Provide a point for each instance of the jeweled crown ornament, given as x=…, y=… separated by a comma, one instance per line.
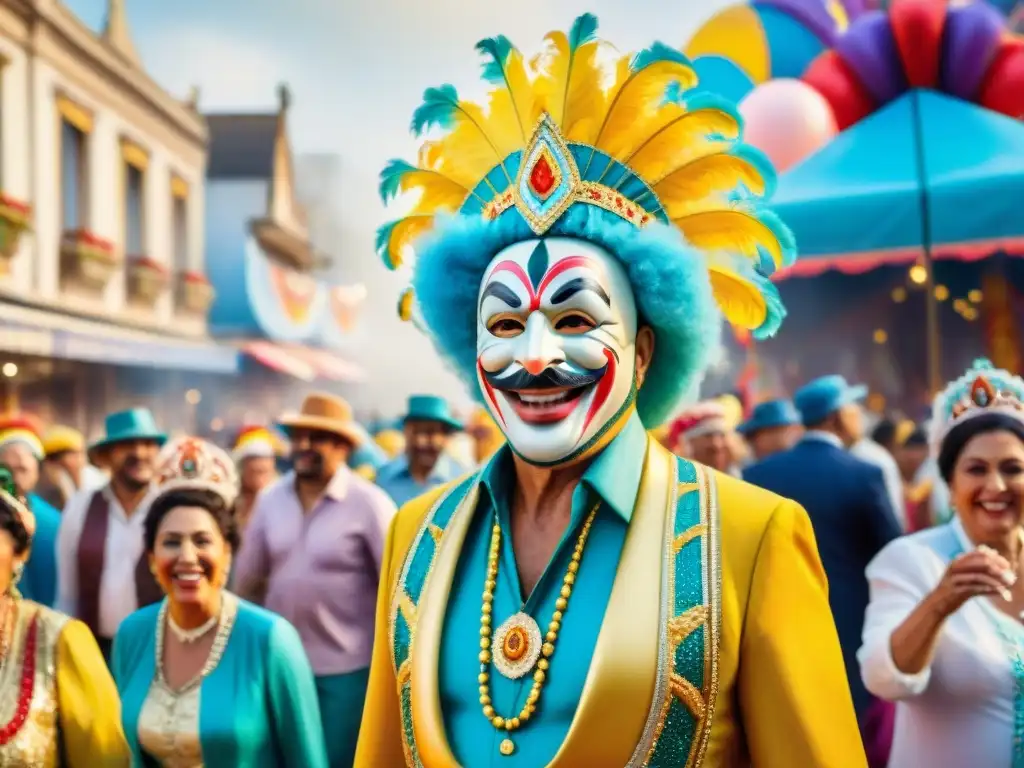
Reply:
x=190, y=463
x=630, y=135
x=982, y=389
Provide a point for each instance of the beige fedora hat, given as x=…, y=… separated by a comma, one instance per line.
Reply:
x=325, y=413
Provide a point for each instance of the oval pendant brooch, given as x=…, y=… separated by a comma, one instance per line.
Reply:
x=516, y=646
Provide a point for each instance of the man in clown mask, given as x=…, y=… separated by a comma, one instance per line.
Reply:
x=571, y=602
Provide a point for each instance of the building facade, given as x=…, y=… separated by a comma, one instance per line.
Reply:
x=101, y=204
x=273, y=300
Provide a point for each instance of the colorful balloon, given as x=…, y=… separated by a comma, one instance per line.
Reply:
x=969, y=45
x=869, y=49
x=917, y=26
x=788, y=120
x=830, y=76
x=1003, y=88
x=770, y=39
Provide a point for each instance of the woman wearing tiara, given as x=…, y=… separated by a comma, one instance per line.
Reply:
x=943, y=635
x=58, y=705
x=206, y=678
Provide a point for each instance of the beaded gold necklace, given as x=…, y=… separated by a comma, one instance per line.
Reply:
x=516, y=649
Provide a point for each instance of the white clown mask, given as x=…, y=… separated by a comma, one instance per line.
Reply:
x=556, y=336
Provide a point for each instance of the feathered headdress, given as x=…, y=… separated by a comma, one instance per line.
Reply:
x=576, y=127
x=982, y=389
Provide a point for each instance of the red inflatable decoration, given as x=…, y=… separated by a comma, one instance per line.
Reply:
x=917, y=27
x=1003, y=88
x=834, y=80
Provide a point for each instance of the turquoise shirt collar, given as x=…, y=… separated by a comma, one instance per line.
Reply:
x=614, y=475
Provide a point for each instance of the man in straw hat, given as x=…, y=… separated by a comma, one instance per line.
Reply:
x=313, y=552
x=21, y=451
x=104, y=574
x=569, y=604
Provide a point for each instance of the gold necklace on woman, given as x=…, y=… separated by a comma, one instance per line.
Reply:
x=516, y=648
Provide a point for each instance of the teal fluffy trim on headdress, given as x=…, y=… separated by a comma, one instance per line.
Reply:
x=669, y=279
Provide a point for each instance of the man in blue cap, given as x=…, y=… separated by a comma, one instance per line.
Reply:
x=428, y=426
x=103, y=574
x=847, y=502
x=774, y=426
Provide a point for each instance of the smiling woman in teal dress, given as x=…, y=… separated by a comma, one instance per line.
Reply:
x=205, y=677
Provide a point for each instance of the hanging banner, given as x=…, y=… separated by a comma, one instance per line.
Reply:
x=1001, y=332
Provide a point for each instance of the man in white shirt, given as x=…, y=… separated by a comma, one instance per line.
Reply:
x=102, y=570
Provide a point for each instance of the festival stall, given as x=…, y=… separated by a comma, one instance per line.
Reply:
x=900, y=144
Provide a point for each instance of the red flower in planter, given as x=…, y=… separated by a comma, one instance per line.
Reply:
x=85, y=237
x=194, y=278
x=15, y=205
x=148, y=263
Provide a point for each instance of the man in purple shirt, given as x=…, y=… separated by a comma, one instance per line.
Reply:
x=312, y=553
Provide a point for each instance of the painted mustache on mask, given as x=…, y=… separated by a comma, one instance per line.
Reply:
x=549, y=378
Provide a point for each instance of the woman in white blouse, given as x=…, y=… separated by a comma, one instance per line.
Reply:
x=943, y=634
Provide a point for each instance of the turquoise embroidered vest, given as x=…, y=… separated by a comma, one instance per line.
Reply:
x=679, y=721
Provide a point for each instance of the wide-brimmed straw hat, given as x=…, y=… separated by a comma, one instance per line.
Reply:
x=325, y=413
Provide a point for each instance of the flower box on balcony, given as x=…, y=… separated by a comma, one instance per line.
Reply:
x=147, y=279
x=15, y=220
x=87, y=258
x=195, y=294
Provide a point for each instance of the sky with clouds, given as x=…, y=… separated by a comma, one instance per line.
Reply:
x=356, y=71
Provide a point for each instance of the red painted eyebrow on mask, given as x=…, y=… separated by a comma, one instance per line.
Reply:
x=535, y=294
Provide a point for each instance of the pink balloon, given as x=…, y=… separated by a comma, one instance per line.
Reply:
x=788, y=120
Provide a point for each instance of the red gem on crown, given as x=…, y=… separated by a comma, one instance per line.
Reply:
x=542, y=176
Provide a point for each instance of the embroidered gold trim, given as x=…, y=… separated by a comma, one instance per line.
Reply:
x=408, y=609
x=687, y=536
x=435, y=533
x=398, y=589
x=589, y=192
x=689, y=695
x=682, y=626
x=685, y=488
x=710, y=517
x=662, y=701
x=404, y=673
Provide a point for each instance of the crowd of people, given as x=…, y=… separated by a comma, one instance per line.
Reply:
x=594, y=583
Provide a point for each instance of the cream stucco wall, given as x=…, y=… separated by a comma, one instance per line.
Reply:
x=31, y=154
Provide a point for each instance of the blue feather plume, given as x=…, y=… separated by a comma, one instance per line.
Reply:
x=439, y=107
x=584, y=30
x=655, y=53
x=773, y=301
x=383, y=240
x=498, y=49
x=391, y=178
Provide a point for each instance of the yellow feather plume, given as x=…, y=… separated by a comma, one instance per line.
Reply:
x=522, y=95
x=698, y=186
x=682, y=137
x=404, y=234
x=729, y=230
x=739, y=300
x=568, y=83
x=470, y=146
x=626, y=124
x=431, y=157
x=437, y=191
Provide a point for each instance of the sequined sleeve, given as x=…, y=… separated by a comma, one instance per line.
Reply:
x=793, y=695
x=89, y=708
